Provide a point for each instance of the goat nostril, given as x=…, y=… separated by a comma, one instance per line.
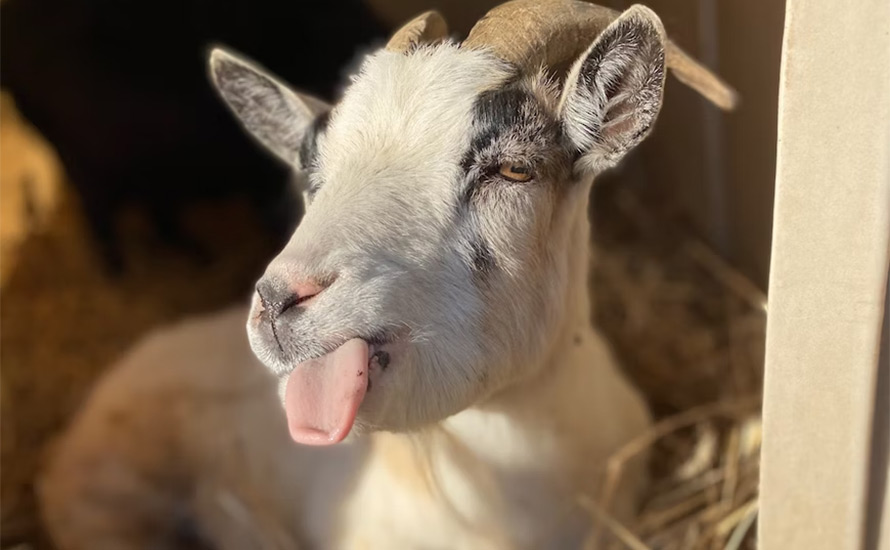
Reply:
x=305, y=291
x=266, y=292
x=277, y=296
x=281, y=307
x=274, y=296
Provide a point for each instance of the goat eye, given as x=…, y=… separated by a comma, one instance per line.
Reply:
x=515, y=171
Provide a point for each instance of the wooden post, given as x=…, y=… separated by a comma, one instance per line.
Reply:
x=831, y=238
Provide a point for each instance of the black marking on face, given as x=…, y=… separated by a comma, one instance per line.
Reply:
x=495, y=113
x=483, y=259
x=309, y=145
x=510, y=125
x=309, y=151
x=478, y=255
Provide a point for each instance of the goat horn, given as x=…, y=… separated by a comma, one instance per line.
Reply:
x=530, y=33
x=426, y=27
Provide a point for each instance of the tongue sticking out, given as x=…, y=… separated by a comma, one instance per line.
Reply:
x=322, y=395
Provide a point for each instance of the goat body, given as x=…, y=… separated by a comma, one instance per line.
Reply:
x=183, y=445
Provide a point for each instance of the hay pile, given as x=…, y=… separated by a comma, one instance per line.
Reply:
x=691, y=331
x=31, y=182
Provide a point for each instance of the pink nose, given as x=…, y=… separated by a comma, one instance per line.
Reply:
x=279, y=295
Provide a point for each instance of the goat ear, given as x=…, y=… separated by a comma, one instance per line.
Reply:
x=613, y=92
x=270, y=111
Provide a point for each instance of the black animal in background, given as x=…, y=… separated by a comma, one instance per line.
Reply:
x=120, y=89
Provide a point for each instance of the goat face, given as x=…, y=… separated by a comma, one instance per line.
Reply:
x=432, y=265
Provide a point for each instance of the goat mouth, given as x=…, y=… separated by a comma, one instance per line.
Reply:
x=378, y=363
x=322, y=395
x=376, y=343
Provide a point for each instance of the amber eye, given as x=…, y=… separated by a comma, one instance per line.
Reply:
x=516, y=171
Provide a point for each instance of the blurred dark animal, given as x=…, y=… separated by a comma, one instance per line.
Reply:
x=120, y=89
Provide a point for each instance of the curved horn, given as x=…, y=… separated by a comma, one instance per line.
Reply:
x=426, y=27
x=530, y=33
x=700, y=78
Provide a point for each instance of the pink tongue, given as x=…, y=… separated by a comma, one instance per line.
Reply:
x=322, y=395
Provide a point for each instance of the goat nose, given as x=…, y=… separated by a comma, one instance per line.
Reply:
x=278, y=295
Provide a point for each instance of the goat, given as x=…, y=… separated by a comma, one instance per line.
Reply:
x=432, y=308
